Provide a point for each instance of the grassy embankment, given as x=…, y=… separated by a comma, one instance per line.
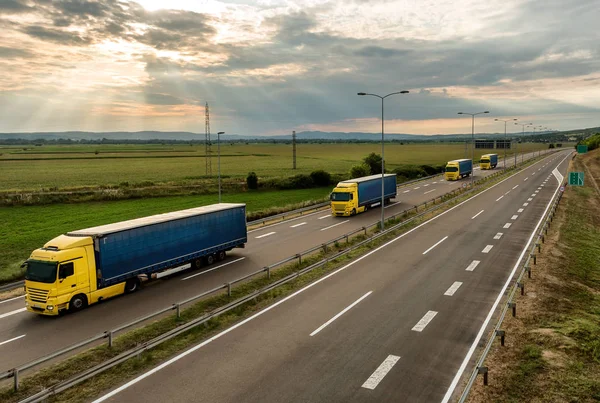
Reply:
x=25, y=228
x=552, y=351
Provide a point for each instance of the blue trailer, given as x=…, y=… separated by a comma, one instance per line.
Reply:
x=149, y=245
x=354, y=196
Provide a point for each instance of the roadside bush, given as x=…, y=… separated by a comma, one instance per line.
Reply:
x=360, y=170
x=321, y=178
x=373, y=161
x=252, y=180
x=429, y=170
x=296, y=182
x=410, y=171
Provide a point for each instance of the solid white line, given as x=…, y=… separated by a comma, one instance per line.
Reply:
x=460, y=371
x=325, y=216
x=334, y=225
x=520, y=210
x=12, y=299
x=498, y=199
x=13, y=339
x=380, y=372
x=406, y=191
x=450, y=292
x=438, y=242
x=214, y=268
x=487, y=249
x=264, y=235
x=516, y=186
x=498, y=235
x=477, y=214
x=283, y=300
x=324, y=325
x=7, y=314
x=525, y=204
x=420, y=326
x=298, y=225
x=429, y=191
x=514, y=217
x=507, y=225
x=473, y=265
x=390, y=205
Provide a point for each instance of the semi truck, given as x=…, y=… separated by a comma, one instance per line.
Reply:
x=488, y=161
x=88, y=266
x=357, y=195
x=458, y=169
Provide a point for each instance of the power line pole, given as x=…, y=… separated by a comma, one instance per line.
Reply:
x=207, y=151
x=294, y=147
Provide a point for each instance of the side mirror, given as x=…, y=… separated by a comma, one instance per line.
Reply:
x=24, y=264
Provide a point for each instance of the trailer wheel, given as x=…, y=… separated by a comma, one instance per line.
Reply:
x=210, y=259
x=221, y=255
x=132, y=285
x=197, y=263
x=77, y=303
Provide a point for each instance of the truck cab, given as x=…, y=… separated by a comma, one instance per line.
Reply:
x=61, y=275
x=344, y=200
x=452, y=172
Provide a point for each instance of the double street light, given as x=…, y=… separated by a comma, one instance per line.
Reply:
x=505, y=121
x=382, y=151
x=219, y=160
x=472, y=139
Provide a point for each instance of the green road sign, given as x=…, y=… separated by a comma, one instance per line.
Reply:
x=582, y=149
x=576, y=178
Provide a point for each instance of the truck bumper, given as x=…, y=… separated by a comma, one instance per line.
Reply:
x=49, y=308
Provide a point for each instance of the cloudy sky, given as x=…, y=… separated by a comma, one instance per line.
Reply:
x=272, y=66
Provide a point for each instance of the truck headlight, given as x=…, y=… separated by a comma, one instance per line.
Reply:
x=50, y=307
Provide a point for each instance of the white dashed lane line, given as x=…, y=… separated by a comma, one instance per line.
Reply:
x=422, y=324
x=472, y=265
x=453, y=288
x=265, y=235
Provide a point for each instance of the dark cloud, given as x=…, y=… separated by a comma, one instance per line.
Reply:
x=377, y=51
x=14, y=7
x=56, y=35
x=13, y=53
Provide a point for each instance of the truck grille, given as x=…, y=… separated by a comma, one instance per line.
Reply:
x=339, y=207
x=37, y=295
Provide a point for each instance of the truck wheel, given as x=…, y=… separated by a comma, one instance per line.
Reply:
x=210, y=259
x=353, y=212
x=221, y=255
x=77, y=303
x=197, y=263
x=132, y=285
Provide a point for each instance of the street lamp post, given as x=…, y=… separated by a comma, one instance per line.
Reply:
x=505, y=121
x=524, y=125
x=472, y=140
x=382, y=151
x=219, y=160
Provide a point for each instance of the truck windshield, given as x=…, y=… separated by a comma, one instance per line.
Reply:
x=339, y=196
x=43, y=272
x=451, y=169
x=484, y=161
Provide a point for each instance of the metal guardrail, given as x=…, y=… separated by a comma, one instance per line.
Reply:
x=15, y=372
x=509, y=303
x=11, y=286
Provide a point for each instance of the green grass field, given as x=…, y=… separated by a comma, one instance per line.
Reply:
x=63, y=167
x=27, y=228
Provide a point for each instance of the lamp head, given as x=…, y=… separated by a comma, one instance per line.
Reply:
x=221, y=133
x=404, y=92
x=362, y=93
x=486, y=112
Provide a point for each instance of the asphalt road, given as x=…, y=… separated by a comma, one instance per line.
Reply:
x=392, y=326
x=22, y=333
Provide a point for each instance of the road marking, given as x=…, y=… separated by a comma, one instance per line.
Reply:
x=302, y=217
x=325, y=216
x=498, y=235
x=473, y=265
x=434, y=182
x=507, y=192
x=380, y=372
x=525, y=179
x=265, y=235
x=450, y=292
x=525, y=204
x=425, y=185
x=498, y=199
x=417, y=188
x=390, y=205
x=420, y=326
x=334, y=225
x=7, y=314
x=487, y=249
x=12, y=299
x=467, y=359
x=324, y=325
x=540, y=188
x=507, y=225
x=520, y=210
x=217, y=336
x=477, y=214
x=533, y=173
x=214, y=268
x=298, y=225
x=533, y=195
x=429, y=191
x=13, y=339
x=530, y=199
x=514, y=217
x=406, y=191
x=439, y=242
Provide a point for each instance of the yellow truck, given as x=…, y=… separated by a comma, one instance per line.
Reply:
x=457, y=169
x=87, y=266
x=488, y=161
x=354, y=196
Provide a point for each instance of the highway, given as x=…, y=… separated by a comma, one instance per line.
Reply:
x=394, y=325
x=21, y=331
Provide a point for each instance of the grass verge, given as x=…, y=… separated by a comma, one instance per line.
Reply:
x=66, y=369
x=552, y=351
